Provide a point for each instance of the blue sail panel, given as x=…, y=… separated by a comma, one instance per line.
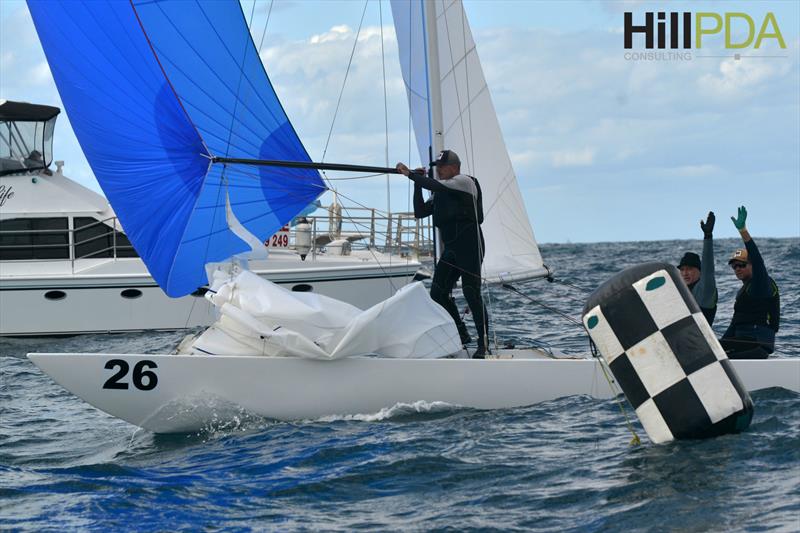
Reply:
x=409, y=24
x=153, y=89
x=209, y=57
x=146, y=155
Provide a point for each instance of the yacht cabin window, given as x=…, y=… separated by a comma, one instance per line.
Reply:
x=34, y=238
x=94, y=238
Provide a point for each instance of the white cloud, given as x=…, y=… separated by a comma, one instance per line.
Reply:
x=336, y=33
x=620, y=6
x=573, y=158
x=689, y=171
x=742, y=76
x=39, y=74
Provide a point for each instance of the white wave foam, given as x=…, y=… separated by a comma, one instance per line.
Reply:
x=399, y=409
x=203, y=413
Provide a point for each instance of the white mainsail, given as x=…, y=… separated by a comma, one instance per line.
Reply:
x=469, y=127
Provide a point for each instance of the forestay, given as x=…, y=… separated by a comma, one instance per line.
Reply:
x=258, y=317
x=470, y=128
x=154, y=90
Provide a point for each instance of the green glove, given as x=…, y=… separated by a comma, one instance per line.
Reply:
x=740, y=220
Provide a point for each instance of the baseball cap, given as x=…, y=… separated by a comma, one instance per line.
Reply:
x=739, y=255
x=447, y=157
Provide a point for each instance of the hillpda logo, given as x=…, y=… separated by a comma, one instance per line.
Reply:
x=678, y=34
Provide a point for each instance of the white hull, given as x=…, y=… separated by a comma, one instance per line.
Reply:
x=96, y=304
x=193, y=392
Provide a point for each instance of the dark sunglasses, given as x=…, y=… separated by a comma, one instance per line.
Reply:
x=737, y=265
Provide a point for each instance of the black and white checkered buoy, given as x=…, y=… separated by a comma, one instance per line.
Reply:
x=665, y=356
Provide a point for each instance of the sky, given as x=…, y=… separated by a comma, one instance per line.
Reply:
x=605, y=148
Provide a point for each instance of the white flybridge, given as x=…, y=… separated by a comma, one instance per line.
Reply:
x=298, y=356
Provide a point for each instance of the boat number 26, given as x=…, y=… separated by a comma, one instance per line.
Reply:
x=142, y=377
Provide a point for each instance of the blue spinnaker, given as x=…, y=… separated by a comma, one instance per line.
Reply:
x=153, y=90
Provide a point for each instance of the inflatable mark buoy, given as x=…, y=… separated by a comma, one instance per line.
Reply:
x=664, y=355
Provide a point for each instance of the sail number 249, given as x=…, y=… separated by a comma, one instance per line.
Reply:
x=142, y=377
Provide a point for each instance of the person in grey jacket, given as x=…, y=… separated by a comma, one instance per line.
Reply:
x=701, y=281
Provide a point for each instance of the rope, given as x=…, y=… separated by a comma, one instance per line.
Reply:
x=635, y=440
x=562, y=314
x=551, y=279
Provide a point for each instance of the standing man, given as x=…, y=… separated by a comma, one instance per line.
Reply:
x=702, y=282
x=757, y=310
x=457, y=213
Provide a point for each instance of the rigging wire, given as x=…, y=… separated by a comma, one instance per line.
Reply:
x=333, y=122
x=635, y=440
x=344, y=82
x=469, y=147
x=460, y=117
x=504, y=183
x=385, y=119
x=264, y=33
x=464, y=28
x=562, y=314
x=410, y=125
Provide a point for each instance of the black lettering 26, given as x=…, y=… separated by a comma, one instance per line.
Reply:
x=142, y=377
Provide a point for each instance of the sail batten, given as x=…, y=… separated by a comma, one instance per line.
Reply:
x=155, y=91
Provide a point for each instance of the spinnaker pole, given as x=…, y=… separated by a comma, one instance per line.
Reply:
x=305, y=164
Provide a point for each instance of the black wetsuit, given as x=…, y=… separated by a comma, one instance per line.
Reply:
x=457, y=214
x=704, y=289
x=756, y=313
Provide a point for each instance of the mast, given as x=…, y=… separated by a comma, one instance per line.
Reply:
x=434, y=78
x=434, y=96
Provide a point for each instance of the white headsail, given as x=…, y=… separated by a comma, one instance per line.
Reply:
x=469, y=127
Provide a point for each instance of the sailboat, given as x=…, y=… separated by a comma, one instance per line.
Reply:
x=189, y=180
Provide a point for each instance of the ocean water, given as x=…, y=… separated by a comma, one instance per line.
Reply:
x=561, y=465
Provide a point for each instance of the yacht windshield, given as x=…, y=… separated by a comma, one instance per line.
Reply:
x=26, y=137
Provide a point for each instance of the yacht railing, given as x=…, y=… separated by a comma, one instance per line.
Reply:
x=369, y=228
x=103, y=245
x=363, y=228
